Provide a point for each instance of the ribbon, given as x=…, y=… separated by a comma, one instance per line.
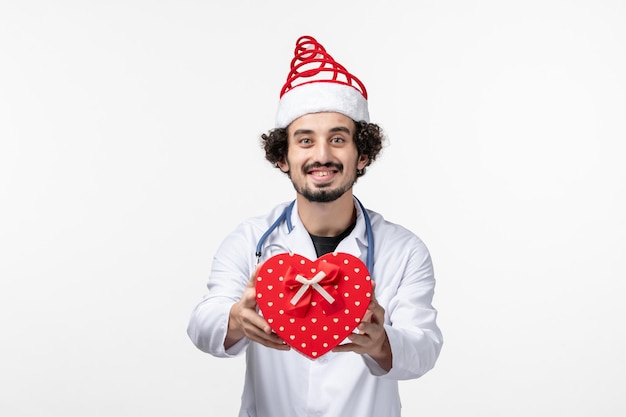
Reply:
x=321, y=283
x=313, y=282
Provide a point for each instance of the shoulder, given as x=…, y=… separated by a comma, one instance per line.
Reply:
x=245, y=236
x=395, y=236
x=255, y=226
x=266, y=219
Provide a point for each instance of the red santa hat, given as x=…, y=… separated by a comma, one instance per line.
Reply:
x=318, y=83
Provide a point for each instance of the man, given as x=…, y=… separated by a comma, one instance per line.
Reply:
x=323, y=141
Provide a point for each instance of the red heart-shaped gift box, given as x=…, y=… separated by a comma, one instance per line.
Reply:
x=313, y=305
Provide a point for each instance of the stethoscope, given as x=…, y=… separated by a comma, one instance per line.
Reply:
x=286, y=216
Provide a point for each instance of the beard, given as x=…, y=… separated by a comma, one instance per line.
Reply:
x=323, y=194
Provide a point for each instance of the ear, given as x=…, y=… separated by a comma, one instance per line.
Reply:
x=283, y=166
x=362, y=163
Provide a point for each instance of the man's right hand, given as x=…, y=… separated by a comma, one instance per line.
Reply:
x=245, y=321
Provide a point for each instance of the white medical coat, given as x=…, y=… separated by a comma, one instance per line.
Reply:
x=288, y=384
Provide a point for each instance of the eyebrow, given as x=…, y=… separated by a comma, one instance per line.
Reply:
x=333, y=130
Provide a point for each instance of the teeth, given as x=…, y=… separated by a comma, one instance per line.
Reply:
x=322, y=174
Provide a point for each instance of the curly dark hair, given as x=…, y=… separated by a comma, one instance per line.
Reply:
x=369, y=139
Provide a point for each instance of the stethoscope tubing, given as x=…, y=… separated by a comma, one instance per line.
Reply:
x=286, y=216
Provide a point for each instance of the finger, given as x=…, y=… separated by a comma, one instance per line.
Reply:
x=272, y=340
x=374, y=313
x=252, y=280
x=254, y=320
x=257, y=330
x=378, y=313
x=367, y=317
x=346, y=347
x=369, y=329
x=249, y=298
x=356, y=344
x=373, y=299
x=249, y=293
x=373, y=305
x=373, y=289
x=360, y=339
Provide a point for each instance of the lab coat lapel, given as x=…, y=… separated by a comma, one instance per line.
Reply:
x=298, y=240
x=356, y=243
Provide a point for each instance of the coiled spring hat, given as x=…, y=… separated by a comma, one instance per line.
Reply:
x=318, y=83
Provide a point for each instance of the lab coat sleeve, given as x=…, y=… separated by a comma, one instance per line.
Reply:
x=230, y=272
x=410, y=320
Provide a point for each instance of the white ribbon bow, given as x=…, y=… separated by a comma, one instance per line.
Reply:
x=313, y=282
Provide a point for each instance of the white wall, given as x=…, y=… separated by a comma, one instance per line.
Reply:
x=128, y=150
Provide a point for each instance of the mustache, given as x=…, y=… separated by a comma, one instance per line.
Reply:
x=337, y=165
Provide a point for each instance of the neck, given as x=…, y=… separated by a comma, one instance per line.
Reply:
x=327, y=219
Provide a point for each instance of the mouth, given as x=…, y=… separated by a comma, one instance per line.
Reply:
x=323, y=175
x=322, y=172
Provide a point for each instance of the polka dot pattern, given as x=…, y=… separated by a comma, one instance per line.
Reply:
x=317, y=331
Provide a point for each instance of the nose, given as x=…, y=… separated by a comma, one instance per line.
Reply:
x=322, y=152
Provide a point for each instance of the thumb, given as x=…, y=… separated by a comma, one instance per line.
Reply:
x=252, y=280
x=249, y=294
x=373, y=300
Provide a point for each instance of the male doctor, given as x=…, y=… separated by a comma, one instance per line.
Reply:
x=323, y=141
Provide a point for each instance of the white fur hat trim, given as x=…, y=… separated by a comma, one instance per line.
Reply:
x=321, y=96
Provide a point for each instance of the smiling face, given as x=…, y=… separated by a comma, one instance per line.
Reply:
x=322, y=158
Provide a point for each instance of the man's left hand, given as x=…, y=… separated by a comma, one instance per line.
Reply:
x=372, y=338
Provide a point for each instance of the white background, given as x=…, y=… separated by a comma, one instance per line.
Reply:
x=129, y=149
